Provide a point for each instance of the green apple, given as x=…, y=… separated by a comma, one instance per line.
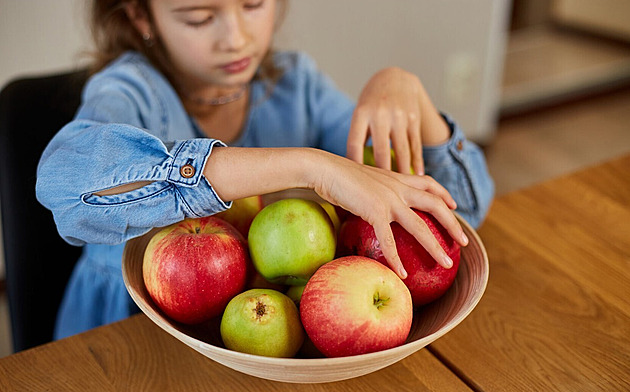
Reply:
x=295, y=293
x=290, y=239
x=262, y=322
x=368, y=158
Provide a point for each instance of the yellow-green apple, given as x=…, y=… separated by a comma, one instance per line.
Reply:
x=191, y=269
x=242, y=213
x=262, y=322
x=355, y=305
x=368, y=158
x=332, y=213
x=427, y=280
x=289, y=239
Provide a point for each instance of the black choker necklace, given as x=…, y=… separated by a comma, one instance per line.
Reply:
x=235, y=96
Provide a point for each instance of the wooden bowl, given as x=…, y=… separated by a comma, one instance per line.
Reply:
x=430, y=323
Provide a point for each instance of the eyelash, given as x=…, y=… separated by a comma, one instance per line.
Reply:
x=209, y=19
x=254, y=6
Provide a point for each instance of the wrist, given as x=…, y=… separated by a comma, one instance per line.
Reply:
x=435, y=130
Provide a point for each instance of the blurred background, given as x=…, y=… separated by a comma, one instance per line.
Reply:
x=542, y=85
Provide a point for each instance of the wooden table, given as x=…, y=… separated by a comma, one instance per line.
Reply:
x=555, y=316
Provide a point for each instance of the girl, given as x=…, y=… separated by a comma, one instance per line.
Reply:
x=184, y=90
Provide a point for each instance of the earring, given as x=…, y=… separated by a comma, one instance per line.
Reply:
x=148, y=39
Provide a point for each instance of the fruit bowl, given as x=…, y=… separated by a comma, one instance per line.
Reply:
x=430, y=323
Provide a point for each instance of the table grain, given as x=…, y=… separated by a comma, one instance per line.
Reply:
x=555, y=315
x=556, y=312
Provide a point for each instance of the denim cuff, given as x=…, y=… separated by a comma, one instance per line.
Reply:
x=189, y=161
x=448, y=153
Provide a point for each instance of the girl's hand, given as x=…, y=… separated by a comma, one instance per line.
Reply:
x=394, y=106
x=381, y=196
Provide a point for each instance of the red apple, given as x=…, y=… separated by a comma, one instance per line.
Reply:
x=426, y=280
x=354, y=305
x=193, y=268
x=242, y=213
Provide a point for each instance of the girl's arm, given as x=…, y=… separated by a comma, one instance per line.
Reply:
x=378, y=196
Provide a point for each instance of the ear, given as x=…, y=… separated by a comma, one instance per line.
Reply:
x=138, y=18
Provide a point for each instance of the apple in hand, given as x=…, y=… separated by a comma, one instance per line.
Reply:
x=289, y=239
x=426, y=280
x=191, y=269
x=242, y=213
x=262, y=322
x=355, y=305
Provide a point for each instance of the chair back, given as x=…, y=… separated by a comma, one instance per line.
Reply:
x=38, y=262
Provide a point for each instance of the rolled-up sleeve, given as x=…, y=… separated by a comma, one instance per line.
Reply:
x=112, y=142
x=75, y=167
x=460, y=166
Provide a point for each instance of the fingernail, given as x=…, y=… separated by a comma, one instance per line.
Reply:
x=464, y=239
x=402, y=273
x=447, y=262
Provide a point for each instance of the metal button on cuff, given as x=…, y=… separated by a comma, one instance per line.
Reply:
x=187, y=171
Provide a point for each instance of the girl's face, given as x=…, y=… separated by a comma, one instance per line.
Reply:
x=217, y=43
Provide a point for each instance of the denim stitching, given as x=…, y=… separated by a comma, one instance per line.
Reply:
x=86, y=196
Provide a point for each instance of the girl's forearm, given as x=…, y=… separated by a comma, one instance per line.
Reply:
x=241, y=172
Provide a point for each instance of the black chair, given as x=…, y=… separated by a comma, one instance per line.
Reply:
x=38, y=262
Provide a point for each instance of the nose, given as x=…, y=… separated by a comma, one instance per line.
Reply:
x=234, y=34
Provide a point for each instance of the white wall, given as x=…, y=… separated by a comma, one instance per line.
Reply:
x=454, y=46
x=39, y=36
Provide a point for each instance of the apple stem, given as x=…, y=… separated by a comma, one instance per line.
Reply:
x=197, y=230
x=378, y=301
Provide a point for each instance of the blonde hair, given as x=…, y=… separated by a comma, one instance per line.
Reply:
x=114, y=34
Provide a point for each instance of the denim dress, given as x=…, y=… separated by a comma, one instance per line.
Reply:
x=131, y=126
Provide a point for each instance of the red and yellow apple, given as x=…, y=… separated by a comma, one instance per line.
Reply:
x=355, y=305
x=242, y=213
x=426, y=280
x=191, y=269
x=289, y=239
x=262, y=322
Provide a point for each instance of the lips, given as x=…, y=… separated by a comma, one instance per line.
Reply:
x=237, y=66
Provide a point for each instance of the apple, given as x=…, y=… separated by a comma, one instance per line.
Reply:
x=426, y=280
x=368, y=158
x=242, y=213
x=191, y=269
x=262, y=322
x=355, y=305
x=256, y=281
x=295, y=293
x=289, y=239
x=332, y=213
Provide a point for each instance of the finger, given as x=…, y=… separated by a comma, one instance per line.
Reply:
x=400, y=143
x=415, y=143
x=380, y=130
x=357, y=136
x=433, y=205
x=421, y=232
x=428, y=184
x=387, y=242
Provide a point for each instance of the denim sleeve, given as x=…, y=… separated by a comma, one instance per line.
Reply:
x=460, y=166
x=329, y=108
x=87, y=156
